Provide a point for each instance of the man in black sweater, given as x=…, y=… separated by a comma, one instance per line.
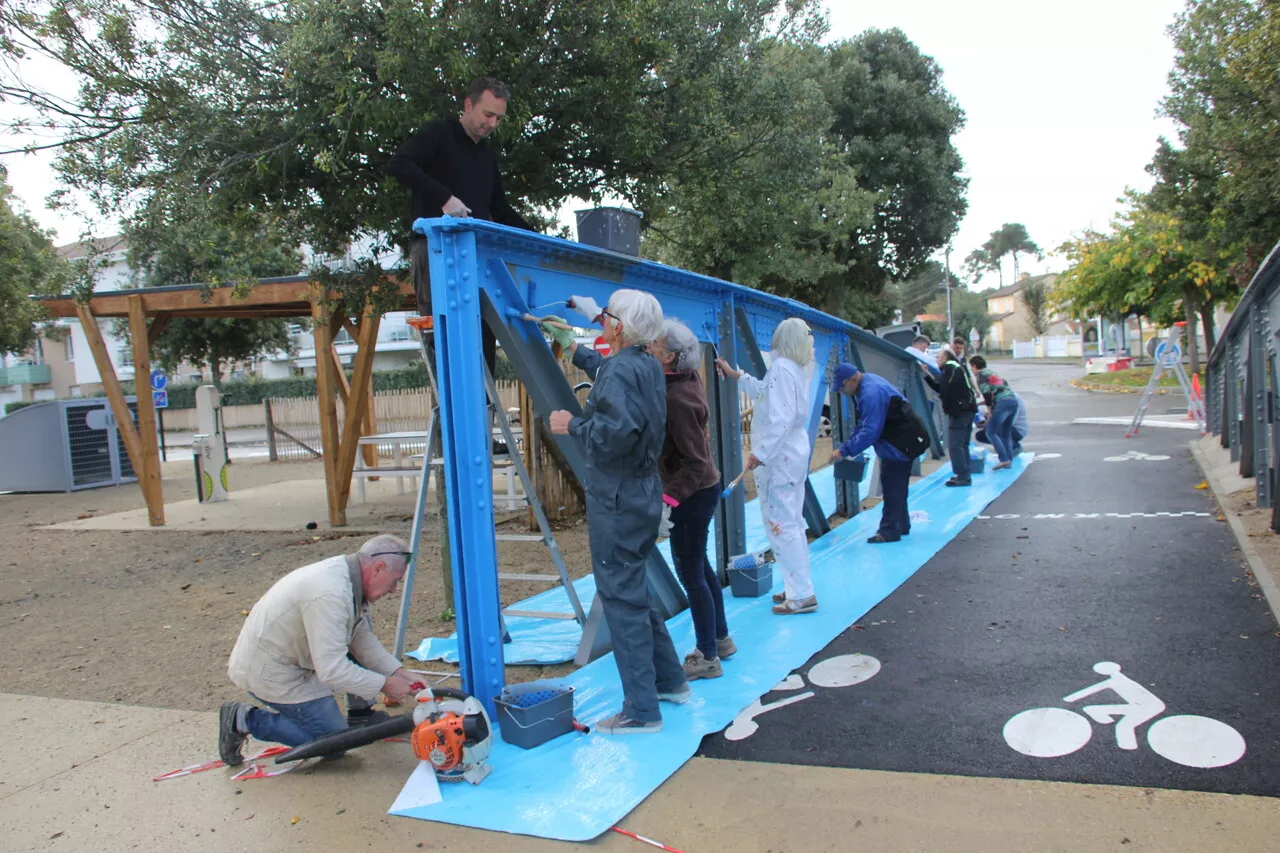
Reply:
x=960, y=404
x=451, y=170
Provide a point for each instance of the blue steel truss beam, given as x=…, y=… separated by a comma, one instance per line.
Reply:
x=518, y=272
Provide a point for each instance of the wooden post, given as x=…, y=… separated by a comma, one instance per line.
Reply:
x=119, y=408
x=272, y=454
x=325, y=383
x=357, y=401
x=367, y=425
x=149, y=475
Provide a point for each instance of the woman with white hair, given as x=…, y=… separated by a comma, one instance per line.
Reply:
x=622, y=428
x=780, y=453
x=692, y=487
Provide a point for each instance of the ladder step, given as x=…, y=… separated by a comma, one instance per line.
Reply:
x=519, y=537
x=537, y=614
x=517, y=576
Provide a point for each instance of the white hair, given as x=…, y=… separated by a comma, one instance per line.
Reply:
x=793, y=340
x=640, y=313
x=679, y=340
x=390, y=547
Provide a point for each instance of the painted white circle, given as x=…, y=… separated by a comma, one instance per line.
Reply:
x=1196, y=741
x=843, y=670
x=1040, y=456
x=1047, y=732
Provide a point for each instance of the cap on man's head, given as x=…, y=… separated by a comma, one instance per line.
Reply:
x=844, y=372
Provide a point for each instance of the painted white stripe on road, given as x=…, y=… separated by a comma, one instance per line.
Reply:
x=1146, y=422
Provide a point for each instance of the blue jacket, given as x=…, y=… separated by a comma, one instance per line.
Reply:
x=872, y=402
x=624, y=421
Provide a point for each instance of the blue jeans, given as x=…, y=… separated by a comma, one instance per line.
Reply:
x=1000, y=426
x=689, y=524
x=296, y=724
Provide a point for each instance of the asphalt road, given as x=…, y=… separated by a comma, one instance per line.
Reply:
x=1095, y=556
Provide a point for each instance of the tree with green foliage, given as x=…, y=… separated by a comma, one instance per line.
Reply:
x=173, y=241
x=1035, y=296
x=1010, y=240
x=28, y=266
x=979, y=262
x=293, y=110
x=913, y=294
x=968, y=311
x=1142, y=266
x=1223, y=184
x=895, y=125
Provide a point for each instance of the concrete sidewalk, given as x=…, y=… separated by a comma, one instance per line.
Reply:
x=78, y=777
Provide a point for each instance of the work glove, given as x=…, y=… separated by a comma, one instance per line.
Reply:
x=664, y=527
x=586, y=306
x=564, y=337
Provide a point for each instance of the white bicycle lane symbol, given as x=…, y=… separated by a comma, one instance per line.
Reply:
x=839, y=671
x=1184, y=739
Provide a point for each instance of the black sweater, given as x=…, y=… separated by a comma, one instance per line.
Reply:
x=441, y=161
x=954, y=390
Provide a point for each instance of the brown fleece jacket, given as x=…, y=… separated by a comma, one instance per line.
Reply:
x=685, y=464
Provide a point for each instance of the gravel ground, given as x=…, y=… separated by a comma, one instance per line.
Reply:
x=148, y=617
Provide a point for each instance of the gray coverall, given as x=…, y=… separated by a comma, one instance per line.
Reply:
x=622, y=429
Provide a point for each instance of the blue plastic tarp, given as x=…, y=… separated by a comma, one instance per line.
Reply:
x=575, y=787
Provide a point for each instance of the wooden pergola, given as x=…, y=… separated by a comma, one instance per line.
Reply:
x=149, y=310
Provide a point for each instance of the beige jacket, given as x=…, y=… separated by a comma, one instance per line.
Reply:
x=294, y=645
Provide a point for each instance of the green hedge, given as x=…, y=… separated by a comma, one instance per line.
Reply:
x=252, y=391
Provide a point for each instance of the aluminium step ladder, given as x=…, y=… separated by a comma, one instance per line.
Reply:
x=433, y=460
x=1168, y=357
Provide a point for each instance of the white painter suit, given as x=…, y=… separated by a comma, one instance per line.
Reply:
x=780, y=440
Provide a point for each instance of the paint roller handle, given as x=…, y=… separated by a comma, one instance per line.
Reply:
x=552, y=323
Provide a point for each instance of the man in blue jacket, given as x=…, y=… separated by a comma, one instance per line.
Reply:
x=886, y=422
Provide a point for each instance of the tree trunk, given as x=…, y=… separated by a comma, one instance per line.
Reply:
x=1210, y=336
x=1193, y=347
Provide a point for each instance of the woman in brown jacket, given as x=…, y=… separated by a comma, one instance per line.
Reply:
x=691, y=486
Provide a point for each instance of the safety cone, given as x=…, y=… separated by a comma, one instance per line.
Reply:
x=1195, y=397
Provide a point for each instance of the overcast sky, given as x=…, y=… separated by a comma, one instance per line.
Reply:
x=1060, y=99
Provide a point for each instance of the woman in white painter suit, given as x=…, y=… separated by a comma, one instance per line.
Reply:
x=780, y=452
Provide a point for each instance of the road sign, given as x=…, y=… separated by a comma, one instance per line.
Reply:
x=160, y=398
x=158, y=380
x=1168, y=354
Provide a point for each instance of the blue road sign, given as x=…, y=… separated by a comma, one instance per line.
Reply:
x=1167, y=356
x=158, y=380
x=160, y=398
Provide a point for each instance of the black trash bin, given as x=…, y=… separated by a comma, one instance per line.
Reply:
x=614, y=228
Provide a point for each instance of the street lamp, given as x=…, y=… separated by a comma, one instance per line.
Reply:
x=951, y=330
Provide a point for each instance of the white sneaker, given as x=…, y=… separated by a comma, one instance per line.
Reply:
x=792, y=606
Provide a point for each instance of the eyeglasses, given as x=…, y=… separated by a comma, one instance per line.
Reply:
x=615, y=317
x=404, y=555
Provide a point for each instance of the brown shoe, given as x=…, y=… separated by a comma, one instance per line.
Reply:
x=779, y=597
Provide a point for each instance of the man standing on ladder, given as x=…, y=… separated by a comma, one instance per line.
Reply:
x=451, y=170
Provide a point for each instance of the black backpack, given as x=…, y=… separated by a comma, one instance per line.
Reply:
x=904, y=429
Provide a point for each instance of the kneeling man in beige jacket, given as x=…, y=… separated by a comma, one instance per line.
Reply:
x=308, y=638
